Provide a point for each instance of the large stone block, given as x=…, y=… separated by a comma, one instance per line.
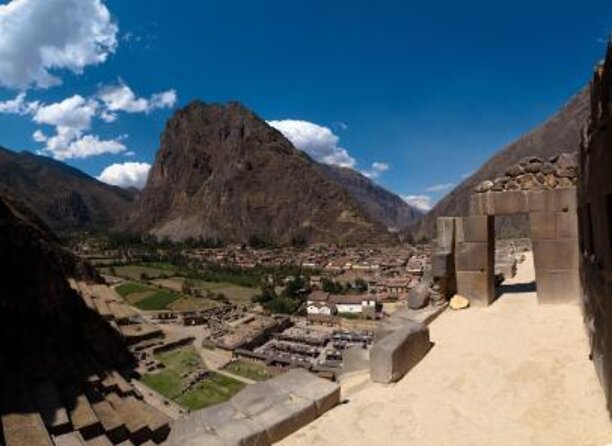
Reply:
x=477, y=286
x=509, y=202
x=257, y=398
x=285, y=418
x=557, y=286
x=323, y=393
x=394, y=355
x=542, y=225
x=566, y=225
x=555, y=254
x=441, y=264
x=445, y=236
x=563, y=200
x=478, y=229
x=537, y=200
x=473, y=256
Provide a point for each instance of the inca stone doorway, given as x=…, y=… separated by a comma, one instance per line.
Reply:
x=554, y=233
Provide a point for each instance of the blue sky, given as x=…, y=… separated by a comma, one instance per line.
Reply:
x=415, y=94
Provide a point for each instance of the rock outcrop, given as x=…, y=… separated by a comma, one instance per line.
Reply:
x=41, y=317
x=65, y=198
x=378, y=203
x=560, y=134
x=223, y=173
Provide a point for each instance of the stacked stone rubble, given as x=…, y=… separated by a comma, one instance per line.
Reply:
x=533, y=174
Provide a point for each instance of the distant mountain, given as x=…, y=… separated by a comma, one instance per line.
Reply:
x=377, y=202
x=65, y=198
x=561, y=133
x=223, y=173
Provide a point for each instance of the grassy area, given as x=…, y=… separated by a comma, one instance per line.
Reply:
x=192, y=303
x=248, y=370
x=158, y=300
x=137, y=272
x=235, y=293
x=169, y=382
x=214, y=390
x=125, y=289
x=178, y=362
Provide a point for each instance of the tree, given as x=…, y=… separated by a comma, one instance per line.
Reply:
x=361, y=285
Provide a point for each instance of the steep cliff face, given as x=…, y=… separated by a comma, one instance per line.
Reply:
x=378, y=203
x=222, y=172
x=65, y=198
x=41, y=317
x=560, y=134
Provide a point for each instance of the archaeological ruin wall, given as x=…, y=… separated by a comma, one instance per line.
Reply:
x=595, y=210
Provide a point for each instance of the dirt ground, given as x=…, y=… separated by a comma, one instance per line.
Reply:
x=514, y=373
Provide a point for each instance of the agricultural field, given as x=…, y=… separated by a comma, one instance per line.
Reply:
x=150, y=298
x=248, y=370
x=141, y=272
x=171, y=381
x=236, y=294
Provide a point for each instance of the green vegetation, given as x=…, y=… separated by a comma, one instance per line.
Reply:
x=170, y=382
x=139, y=272
x=158, y=300
x=290, y=300
x=125, y=289
x=349, y=315
x=178, y=362
x=214, y=390
x=248, y=370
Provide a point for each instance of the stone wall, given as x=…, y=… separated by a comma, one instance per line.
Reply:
x=595, y=224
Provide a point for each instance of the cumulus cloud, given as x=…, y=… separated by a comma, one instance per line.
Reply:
x=421, y=202
x=126, y=174
x=120, y=97
x=376, y=169
x=72, y=119
x=39, y=37
x=316, y=140
x=440, y=187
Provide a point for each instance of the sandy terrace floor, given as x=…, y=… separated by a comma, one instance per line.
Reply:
x=514, y=373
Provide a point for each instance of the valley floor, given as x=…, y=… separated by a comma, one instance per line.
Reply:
x=514, y=373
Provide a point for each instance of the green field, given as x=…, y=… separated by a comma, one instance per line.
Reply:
x=125, y=289
x=248, y=370
x=235, y=293
x=136, y=272
x=215, y=390
x=158, y=300
x=169, y=381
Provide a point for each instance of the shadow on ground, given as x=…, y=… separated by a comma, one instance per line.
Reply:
x=528, y=287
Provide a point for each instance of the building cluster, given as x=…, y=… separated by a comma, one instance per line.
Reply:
x=316, y=349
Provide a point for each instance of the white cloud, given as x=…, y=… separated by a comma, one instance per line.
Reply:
x=18, y=106
x=317, y=141
x=64, y=147
x=39, y=37
x=74, y=112
x=121, y=98
x=376, y=169
x=440, y=187
x=126, y=174
x=421, y=202
x=72, y=118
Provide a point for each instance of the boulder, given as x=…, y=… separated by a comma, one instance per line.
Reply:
x=551, y=181
x=418, y=297
x=513, y=185
x=527, y=181
x=394, y=355
x=547, y=168
x=533, y=167
x=485, y=186
x=458, y=302
x=567, y=161
x=515, y=171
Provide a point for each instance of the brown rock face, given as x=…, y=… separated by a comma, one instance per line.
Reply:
x=65, y=198
x=377, y=202
x=560, y=134
x=223, y=173
x=41, y=317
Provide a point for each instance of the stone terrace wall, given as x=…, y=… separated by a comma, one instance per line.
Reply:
x=595, y=209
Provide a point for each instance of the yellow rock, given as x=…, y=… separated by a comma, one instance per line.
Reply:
x=458, y=302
